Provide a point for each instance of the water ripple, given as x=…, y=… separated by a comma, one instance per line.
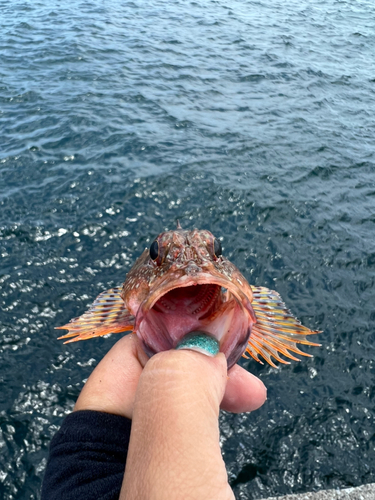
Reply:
x=252, y=119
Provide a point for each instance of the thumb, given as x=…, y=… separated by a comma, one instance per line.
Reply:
x=174, y=449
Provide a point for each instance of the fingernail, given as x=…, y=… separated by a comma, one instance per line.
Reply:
x=201, y=342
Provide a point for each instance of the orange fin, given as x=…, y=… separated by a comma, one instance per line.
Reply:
x=276, y=331
x=107, y=314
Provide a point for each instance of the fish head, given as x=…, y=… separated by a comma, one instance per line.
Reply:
x=182, y=284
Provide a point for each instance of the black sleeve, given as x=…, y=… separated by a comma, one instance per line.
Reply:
x=87, y=457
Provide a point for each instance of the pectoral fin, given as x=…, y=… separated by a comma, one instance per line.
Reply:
x=276, y=330
x=106, y=315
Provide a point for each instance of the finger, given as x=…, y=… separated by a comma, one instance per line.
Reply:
x=174, y=445
x=244, y=391
x=112, y=385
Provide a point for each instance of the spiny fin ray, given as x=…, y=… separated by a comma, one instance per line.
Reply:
x=276, y=330
x=106, y=315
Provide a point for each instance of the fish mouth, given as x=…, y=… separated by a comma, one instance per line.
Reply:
x=205, y=304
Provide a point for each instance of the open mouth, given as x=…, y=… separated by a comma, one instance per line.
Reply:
x=205, y=307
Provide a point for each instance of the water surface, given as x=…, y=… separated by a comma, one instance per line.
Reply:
x=253, y=119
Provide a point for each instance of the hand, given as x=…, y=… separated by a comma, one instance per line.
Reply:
x=174, y=401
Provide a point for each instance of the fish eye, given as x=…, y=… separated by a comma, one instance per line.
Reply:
x=217, y=248
x=154, y=250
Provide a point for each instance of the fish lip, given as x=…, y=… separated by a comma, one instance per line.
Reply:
x=186, y=281
x=228, y=325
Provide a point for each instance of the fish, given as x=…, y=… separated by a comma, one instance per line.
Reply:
x=181, y=284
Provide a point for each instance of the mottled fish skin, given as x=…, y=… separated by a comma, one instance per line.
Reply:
x=183, y=255
x=183, y=283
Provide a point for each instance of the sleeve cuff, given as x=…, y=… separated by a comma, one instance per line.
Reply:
x=87, y=457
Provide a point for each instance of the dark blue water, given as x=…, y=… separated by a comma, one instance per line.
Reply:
x=253, y=119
